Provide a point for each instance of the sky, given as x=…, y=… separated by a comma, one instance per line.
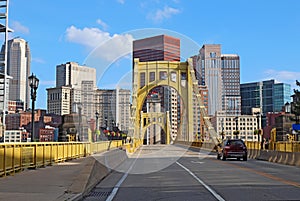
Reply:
x=99, y=33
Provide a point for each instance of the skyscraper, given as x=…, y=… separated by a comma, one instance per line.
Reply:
x=72, y=74
x=157, y=48
x=221, y=74
x=231, y=98
x=18, y=68
x=113, y=107
x=75, y=85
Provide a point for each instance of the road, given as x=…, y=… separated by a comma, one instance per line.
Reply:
x=176, y=173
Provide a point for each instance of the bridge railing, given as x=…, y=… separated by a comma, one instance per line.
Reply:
x=16, y=157
x=272, y=146
x=276, y=146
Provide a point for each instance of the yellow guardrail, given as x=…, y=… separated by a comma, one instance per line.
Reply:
x=276, y=146
x=18, y=156
x=132, y=147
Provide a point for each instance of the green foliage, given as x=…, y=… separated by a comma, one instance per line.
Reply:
x=296, y=91
x=257, y=132
x=296, y=104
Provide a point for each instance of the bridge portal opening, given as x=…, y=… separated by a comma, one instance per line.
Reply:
x=163, y=99
x=154, y=134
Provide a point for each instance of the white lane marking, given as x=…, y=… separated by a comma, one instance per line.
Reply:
x=117, y=186
x=216, y=195
x=200, y=162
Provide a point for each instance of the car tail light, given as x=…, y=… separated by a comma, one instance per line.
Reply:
x=227, y=147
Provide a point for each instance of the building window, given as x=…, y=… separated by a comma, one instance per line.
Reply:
x=142, y=80
x=183, y=76
x=163, y=75
x=152, y=76
x=213, y=55
x=173, y=76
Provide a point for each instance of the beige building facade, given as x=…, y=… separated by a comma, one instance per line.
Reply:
x=244, y=124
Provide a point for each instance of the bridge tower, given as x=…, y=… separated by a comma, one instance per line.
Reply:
x=181, y=77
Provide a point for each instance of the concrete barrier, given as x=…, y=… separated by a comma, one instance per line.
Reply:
x=263, y=155
x=297, y=159
x=289, y=159
x=256, y=153
x=96, y=169
x=273, y=156
x=286, y=158
x=281, y=157
x=251, y=153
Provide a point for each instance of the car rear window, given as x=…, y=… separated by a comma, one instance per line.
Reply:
x=234, y=142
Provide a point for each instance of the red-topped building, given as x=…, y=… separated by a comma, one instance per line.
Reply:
x=157, y=48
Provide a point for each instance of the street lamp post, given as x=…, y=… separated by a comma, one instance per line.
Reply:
x=113, y=124
x=236, y=127
x=33, y=83
x=222, y=133
x=258, y=127
x=105, y=118
x=97, y=116
x=80, y=137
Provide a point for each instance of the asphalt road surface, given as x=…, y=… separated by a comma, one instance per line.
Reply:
x=175, y=173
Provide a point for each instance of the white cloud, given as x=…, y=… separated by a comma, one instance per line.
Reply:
x=104, y=45
x=121, y=1
x=289, y=77
x=166, y=13
x=90, y=37
x=103, y=24
x=38, y=60
x=18, y=27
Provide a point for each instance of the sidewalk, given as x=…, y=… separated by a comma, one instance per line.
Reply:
x=62, y=181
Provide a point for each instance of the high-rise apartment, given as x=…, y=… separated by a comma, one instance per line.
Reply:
x=18, y=68
x=221, y=74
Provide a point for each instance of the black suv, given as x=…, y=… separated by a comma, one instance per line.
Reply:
x=232, y=148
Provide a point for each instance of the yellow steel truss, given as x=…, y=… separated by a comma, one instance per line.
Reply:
x=181, y=77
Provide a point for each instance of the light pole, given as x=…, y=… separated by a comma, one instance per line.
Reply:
x=97, y=116
x=105, y=118
x=80, y=137
x=33, y=83
x=113, y=124
x=222, y=133
x=236, y=133
x=258, y=128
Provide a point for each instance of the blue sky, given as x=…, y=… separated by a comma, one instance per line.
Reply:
x=99, y=33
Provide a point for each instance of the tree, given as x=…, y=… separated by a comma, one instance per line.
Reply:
x=296, y=103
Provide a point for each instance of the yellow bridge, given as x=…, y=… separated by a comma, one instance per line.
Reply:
x=18, y=156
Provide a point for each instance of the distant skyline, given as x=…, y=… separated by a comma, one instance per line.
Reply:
x=99, y=33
